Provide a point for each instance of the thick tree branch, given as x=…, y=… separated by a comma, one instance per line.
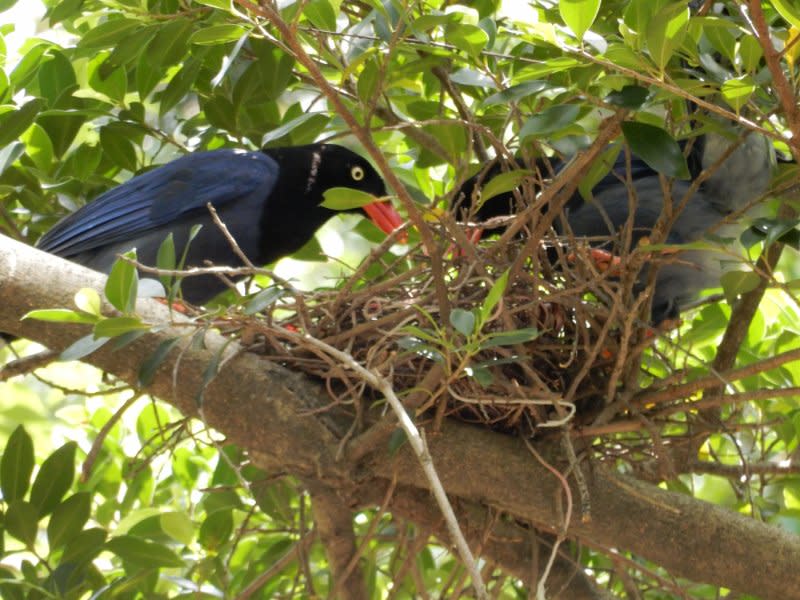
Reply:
x=261, y=407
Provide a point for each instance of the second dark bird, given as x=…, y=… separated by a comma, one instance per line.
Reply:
x=738, y=180
x=269, y=200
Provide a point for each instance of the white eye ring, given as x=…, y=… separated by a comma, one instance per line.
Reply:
x=357, y=173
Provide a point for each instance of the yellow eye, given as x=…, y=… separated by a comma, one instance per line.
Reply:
x=357, y=173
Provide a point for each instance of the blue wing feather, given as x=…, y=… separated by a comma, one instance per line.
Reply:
x=161, y=196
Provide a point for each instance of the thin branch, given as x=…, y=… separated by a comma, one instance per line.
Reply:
x=419, y=446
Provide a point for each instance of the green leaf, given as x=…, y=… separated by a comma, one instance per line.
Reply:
x=737, y=92
x=342, y=198
x=217, y=34
x=88, y=301
x=665, y=32
x=178, y=526
x=38, y=147
x=106, y=35
x=502, y=183
x=149, y=367
x=396, y=440
x=119, y=149
x=550, y=120
x=122, y=284
x=321, y=14
x=579, y=15
x=61, y=315
x=630, y=96
x=263, y=299
x=10, y=154
x=165, y=259
x=68, y=519
x=287, y=128
x=216, y=529
x=16, y=465
x=517, y=92
x=179, y=86
x=56, y=76
x=14, y=122
x=463, y=321
x=509, y=338
x=116, y=326
x=735, y=283
x=84, y=546
x=109, y=80
x=789, y=10
x=494, y=296
x=82, y=347
x=54, y=479
x=468, y=38
x=142, y=552
x=656, y=148
x=170, y=44
x=22, y=521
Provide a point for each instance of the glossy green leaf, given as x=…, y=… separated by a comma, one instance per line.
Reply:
x=286, y=128
x=341, y=198
x=549, y=121
x=321, y=14
x=84, y=546
x=107, y=34
x=502, y=183
x=88, y=301
x=60, y=315
x=122, y=284
x=109, y=80
x=15, y=121
x=142, y=552
x=82, y=347
x=150, y=366
x=789, y=10
x=118, y=149
x=468, y=38
x=463, y=321
x=657, y=148
x=216, y=529
x=22, y=521
x=735, y=283
x=737, y=92
x=56, y=76
x=16, y=465
x=170, y=43
x=178, y=526
x=116, y=326
x=517, y=92
x=217, y=34
x=54, y=479
x=263, y=299
x=509, y=338
x=666, y=31
x=630, y=96
x=38, y=147
x=579, y=15
x=494, y=296
x=68, y=519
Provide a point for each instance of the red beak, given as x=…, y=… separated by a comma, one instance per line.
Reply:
x=384, y=216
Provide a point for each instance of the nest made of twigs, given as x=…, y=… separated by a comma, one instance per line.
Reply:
x=558, y=344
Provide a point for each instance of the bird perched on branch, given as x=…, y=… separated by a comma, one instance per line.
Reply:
x=733, y=171
x=270, y=201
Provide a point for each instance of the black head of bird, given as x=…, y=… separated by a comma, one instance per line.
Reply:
x=736, y=172
x=270, y=202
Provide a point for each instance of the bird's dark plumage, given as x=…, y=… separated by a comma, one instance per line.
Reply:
x=741, y=178
x=269, y=200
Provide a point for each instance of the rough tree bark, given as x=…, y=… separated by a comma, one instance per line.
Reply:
x=257, y=405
